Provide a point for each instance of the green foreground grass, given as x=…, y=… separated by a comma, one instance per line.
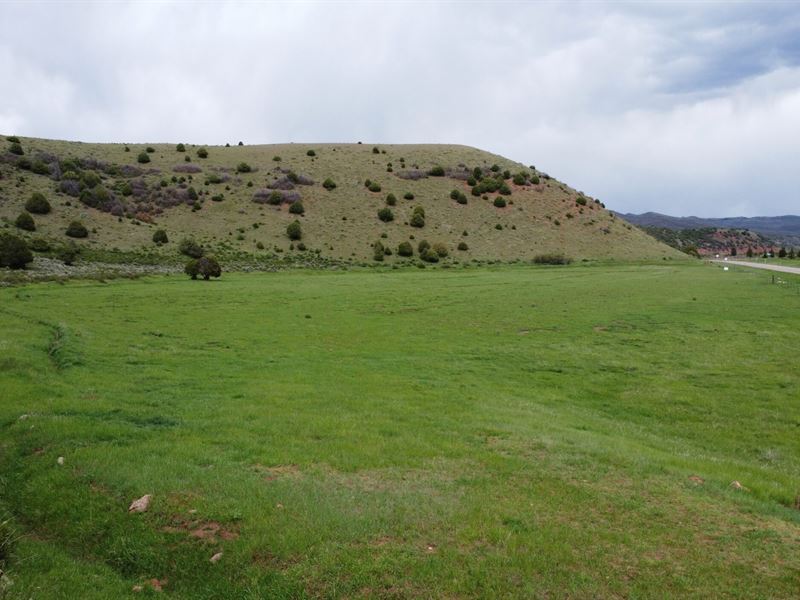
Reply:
x=516, y=432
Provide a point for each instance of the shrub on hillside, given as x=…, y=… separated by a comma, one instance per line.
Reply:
x=71, y=187
x=391, y=200
x=500, y=202
x=413, y=174
x=375, y=150
x=189, y=247
x=149, y=149
x=243, y=167
x=329, y=184
x=417, y=217
x=408, y=196
x=458, y=196
x=76, y=229
x=143, y=157
x=519, y=179
x=405, y=249
x=378, y=251
x=551, y=259
x=39, y=245
x=14, y=252
x=202, y=153
x=423, y=246
x=180, y=148
x=68, y=253
x=40, y=167
x=91, y=179
x=463, y=246
x=296, y=208
x=386, y=215
x=437, y=171
x=37, y=204
x=311, y=153
x=580, y=201
x=12, y=139
x=16, y=148
x=429, y=256
x=440, y=249
x=206, y=267
x=160, y=237
x=25, y=221
x=374, y=187
x=294, y=230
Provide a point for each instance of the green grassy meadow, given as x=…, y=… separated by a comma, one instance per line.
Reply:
x=509, y=432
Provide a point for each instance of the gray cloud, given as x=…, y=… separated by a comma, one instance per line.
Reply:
x=680, y=108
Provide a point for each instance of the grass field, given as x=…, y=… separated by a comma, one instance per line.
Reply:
x=510, y=432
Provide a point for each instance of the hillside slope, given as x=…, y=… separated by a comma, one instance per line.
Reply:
x=123, y=201
x=782, y=230
x=708, y=241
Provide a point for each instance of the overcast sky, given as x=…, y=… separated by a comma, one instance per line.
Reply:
x=686, y=109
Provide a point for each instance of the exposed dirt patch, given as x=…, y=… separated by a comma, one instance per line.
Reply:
x=696, y=479
x=277, y=471
x=211, y=532
x=272, y=562
x=382, y=541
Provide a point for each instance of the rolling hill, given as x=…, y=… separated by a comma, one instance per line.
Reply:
x=782, y=230
x=707, y=241
x=238, y=201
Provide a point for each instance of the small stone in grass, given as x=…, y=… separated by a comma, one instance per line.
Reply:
x=216, y=557
x=141, y=504
x=60, y=460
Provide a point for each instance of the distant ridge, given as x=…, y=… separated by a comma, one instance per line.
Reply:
x=783, y=229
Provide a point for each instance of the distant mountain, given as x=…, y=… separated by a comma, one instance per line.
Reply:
x=707, y=241
x=783, y=230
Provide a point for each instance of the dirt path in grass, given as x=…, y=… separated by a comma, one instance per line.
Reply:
x=741, y=263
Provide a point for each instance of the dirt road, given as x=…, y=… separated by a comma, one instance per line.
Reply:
x=741, y=263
